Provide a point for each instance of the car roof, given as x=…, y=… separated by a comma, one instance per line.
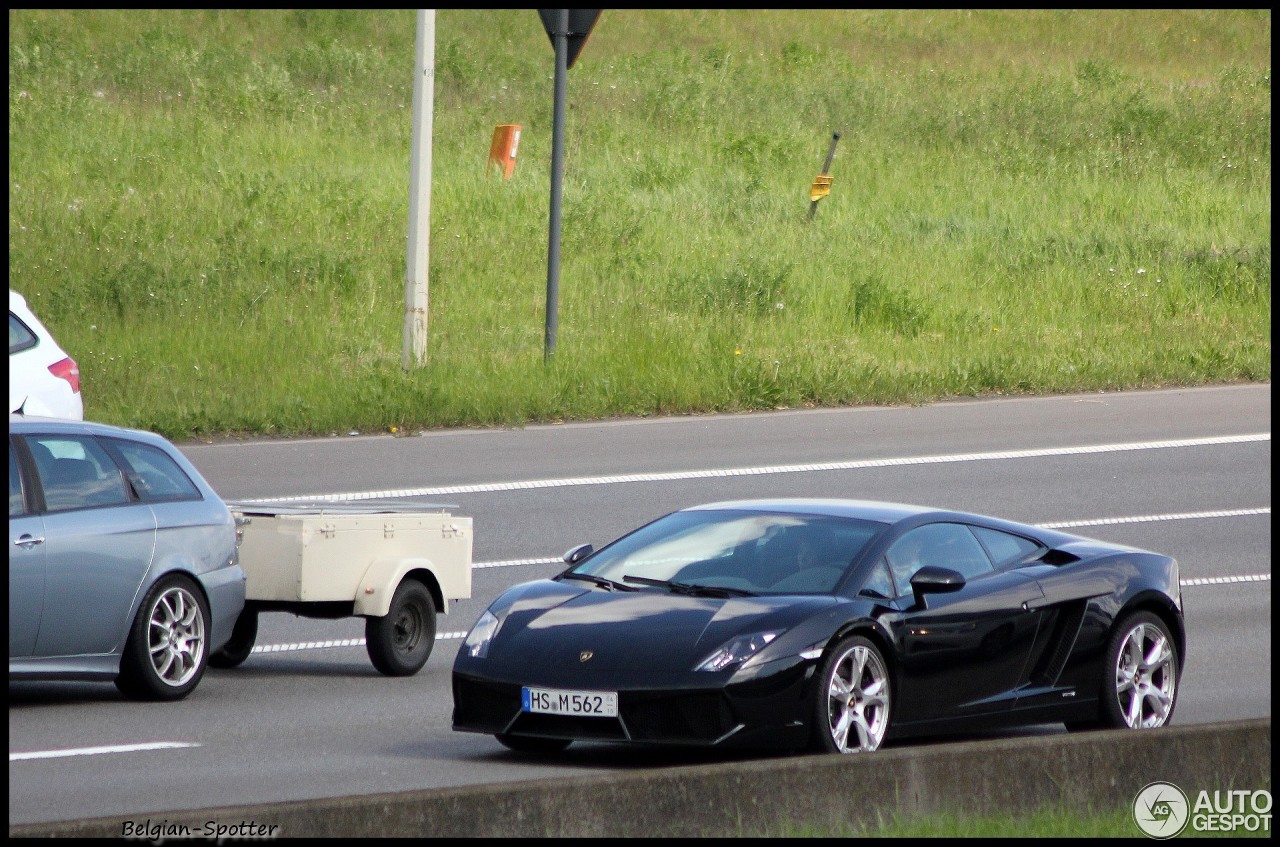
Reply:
x=35, y=423
x=19, y=305
x=892, y=513
x=868, y=510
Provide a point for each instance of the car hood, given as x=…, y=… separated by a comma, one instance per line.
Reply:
x=557, y=634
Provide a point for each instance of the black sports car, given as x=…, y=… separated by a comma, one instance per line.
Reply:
x=828, y=625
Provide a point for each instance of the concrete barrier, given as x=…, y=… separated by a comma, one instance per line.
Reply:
x=1099, y=770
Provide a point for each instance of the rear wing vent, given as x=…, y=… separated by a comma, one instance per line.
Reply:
x=1059, y=557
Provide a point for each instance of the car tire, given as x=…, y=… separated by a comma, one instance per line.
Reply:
x=240, y=645
x=528, y=744
x=400, y=642
x=167, y=648
x=852, y=699
x=1140, y=675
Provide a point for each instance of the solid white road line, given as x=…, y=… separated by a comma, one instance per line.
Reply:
x=97, y=751
x=1175, y=516
x=768, y=469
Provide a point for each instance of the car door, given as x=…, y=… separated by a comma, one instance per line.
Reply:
x=98, y=545
x=26, y=564
x=964, y=652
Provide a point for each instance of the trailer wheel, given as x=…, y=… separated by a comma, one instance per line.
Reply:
x=400, y=642
x=238, y=648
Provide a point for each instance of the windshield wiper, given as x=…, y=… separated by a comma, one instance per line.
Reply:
x=692, y=589
x=607, y=584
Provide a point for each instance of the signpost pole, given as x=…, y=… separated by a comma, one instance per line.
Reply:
x=414, y=351
x=561, y=39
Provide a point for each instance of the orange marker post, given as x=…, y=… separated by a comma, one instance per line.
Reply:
x=502, y=152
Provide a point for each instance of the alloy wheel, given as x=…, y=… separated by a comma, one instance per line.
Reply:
x=176, y=637
x=1145, y=677
x=858, y=700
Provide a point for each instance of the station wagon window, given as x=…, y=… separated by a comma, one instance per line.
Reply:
x=76, y=473
x=16, y=504
x=944, y=545
x=1005, y=549
x=154, y=474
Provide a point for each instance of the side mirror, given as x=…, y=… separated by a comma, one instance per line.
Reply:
x=932, y=579
x=577, y=554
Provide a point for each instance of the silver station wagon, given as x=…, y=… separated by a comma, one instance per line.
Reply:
x=123, y=564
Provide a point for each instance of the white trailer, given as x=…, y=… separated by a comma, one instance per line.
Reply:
x=395, y=565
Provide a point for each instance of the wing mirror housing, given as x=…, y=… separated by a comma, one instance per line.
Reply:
x=577, y=554
x=932, y=579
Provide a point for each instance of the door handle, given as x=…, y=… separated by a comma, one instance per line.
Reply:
x=27, y=541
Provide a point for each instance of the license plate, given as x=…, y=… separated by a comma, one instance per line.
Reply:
x=551, y=701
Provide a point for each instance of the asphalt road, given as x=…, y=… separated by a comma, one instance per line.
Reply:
x=1185, y=472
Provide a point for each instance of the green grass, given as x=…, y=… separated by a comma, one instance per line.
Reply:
x=209, y=209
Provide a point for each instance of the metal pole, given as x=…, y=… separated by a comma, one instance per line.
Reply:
x=415, y=282
x=557, y=168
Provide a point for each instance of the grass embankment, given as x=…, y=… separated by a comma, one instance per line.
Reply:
x=209, y=208
x=1044, y=823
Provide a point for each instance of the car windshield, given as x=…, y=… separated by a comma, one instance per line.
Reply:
x=737, y=551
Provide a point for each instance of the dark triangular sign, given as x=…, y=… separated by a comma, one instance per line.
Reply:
x=580, y=23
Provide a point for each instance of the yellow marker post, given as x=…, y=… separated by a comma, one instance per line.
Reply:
x=821, y=188
x=822, y=183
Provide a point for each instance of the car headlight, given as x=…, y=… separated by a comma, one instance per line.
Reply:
x=737, y=651
x=478, y=640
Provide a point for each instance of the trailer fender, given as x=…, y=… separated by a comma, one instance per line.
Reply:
x=379, y=583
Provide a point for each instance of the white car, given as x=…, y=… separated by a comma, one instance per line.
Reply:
x=43, y=379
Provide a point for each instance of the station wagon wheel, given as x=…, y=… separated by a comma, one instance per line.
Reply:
x=400, y=642
x=852, y=699
x=166, y=651
x=1140, y=677
x=528, y=744
x=240, y=645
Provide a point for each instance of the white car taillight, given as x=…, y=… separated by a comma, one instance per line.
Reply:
x=67, y=369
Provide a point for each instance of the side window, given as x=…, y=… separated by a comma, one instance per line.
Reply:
x=16, y=504
x=20, y=336
x=1004, y=548
x=76, y=473
x=878, y=583
x=153, y=473
x=944, y=545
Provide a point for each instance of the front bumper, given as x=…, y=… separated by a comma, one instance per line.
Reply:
x=765, y=712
